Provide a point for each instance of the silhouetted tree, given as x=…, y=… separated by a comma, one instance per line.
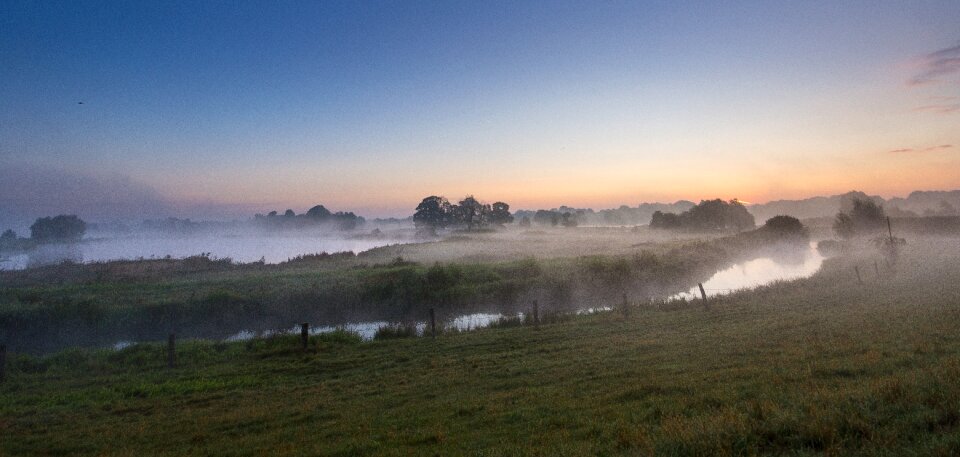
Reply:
x=865, y=216
x=663, y=220
x=544, y=217
x=289, y=213
x=470, y=212
x=8, y=240
x=59, y=228
x=568, y=219
x=432, y=212
x=500, y=214
x=319, y=212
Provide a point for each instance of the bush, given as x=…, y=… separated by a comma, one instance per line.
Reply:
x=785, y=227
x=394, y=331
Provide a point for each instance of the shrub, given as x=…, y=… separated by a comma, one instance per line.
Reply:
x=394, y=331
x=785, y=227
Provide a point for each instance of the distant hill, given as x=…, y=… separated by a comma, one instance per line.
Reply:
x=919, y=203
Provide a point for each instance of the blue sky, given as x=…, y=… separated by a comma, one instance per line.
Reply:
x=370, y=106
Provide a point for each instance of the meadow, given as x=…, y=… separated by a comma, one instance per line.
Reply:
x=820, y=366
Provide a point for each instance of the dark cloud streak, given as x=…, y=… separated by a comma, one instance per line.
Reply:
x=939, y=109
x=936, y=65
x=938, y=147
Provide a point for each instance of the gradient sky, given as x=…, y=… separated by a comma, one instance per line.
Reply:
x=370, y=106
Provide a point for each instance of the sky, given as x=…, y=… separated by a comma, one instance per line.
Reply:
x=221, y=109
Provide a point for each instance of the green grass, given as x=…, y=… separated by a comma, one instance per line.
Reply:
x=817, y=366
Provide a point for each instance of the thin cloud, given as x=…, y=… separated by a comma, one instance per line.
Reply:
x=936, y=65
x=938, y=147
x=938, y=108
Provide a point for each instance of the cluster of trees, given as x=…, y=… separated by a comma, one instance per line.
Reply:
x=314, y=216
x=554, y=218
x=62, y=228
x=861, y=217
x=624, y=215
x=708, y=215
x=436, y=212
x=58, y=229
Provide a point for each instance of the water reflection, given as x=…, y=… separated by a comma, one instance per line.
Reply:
x=786, y=265
x=367, y=330
x=753, y=273
x=241, y=248
x=47, y=254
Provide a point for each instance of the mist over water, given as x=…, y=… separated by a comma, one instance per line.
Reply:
x=241, y=248
x=757, y=272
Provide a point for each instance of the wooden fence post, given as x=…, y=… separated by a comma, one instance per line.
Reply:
x=703, y=294
x=3, y=362
x=626, y=306
x=536, y=315
x=305, y=335
x=171, y=351
x=890, y=230
x=876, y=268
x=857, y=269
x=433, y=323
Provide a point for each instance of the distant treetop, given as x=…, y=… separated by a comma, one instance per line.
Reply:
x=706, y=216
x=62, y=228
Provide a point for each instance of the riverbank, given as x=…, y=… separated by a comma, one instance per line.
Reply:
x=47, y=309
x=819, y=365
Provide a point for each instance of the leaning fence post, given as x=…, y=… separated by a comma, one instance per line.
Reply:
x=433, y=323
x=536, y=315
x=890, y=230
x=171, y=351
x=3, y=362
x=857, y=269
x=703, y=294
x=305, y=335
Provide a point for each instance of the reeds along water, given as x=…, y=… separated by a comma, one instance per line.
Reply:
x=104, y=308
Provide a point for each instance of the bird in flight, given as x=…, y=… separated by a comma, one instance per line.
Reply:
x=79, y=103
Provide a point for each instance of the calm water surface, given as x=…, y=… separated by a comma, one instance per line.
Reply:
x=240, y=248
x=758, y=272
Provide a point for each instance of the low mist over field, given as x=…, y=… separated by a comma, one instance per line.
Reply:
x=436, y=228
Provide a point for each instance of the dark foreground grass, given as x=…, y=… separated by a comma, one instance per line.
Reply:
x=819, y=366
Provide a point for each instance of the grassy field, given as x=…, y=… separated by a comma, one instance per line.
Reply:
x=818, y=366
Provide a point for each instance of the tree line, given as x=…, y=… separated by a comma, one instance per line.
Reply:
x=65, y=228
x=708, y=215
x=314, y=216
x=436, y=212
